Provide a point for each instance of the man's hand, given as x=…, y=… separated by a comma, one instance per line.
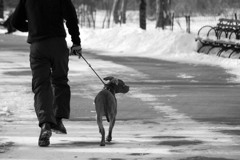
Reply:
x=76, y=50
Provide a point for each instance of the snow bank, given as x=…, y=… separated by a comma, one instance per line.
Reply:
x=133, y=41
x=129, y=40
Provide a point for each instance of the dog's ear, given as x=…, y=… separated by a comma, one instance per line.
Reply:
x=111, y=79
x=115, y=80
x=108, y=78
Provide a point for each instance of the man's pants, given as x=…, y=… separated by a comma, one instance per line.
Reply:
x=49, y=64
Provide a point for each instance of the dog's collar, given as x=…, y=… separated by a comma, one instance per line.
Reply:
x=109, y=89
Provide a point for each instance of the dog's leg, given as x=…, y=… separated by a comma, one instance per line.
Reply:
x=111, y=125
x=101, y=130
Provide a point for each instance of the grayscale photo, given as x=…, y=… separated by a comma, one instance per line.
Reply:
x=119, y=79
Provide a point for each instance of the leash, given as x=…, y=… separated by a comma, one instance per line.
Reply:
x=93, y=70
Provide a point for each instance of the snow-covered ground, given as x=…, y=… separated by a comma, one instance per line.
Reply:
x=175, y=46
x=128, y=40
x=125, y=40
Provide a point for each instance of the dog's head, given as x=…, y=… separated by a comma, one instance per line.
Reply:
x=117, y=85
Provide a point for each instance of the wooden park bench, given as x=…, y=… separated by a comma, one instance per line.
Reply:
x=225, y=35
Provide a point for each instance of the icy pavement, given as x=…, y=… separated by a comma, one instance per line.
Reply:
x=172, y=135
x=131, y=140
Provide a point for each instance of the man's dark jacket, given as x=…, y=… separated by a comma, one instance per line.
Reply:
x=44, y=19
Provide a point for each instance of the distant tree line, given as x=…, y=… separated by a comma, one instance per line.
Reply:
x=204, y=7
x=180, y=7
x=161, y=11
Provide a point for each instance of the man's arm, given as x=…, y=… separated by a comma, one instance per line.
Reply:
x=70, y=16
x=19, y=17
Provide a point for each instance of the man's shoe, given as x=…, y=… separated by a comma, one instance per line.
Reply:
x=45, y=134
x=59, y=128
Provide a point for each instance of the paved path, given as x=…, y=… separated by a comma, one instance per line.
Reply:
x=173, y=111
x=201, y=92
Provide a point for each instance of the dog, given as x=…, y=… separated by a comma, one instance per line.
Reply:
x=106, y=105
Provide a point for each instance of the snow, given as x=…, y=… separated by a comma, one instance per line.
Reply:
x=130, y=40
x=125, y=40
x=177, y=46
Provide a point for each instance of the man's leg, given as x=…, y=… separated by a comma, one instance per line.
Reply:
x=41, y=86
x=56, y=49
x=61, y=100
x=61, y=89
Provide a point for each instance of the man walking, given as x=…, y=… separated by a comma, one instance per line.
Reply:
x=49, y=56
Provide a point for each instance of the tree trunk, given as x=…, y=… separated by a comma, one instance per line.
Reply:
x=107, y=5
x=1, y=9
x=123, y=11
x=159, y=13
x=142, y=14
x=116, y=5
x=167, y=12
x=163, y=13
x=188, y=30
x=151, y=9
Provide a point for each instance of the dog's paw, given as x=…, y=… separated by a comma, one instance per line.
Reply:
x=109, y=138
x=102, y=144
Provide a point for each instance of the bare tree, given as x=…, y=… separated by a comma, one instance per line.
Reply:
x=119, y=11
x=151, y=9
x=116, y=5
x=142, y=14
x=159, y=13
x=163, y=12
x=1, y=9
x=123, y=11
x=86, y=10
x=107, y=5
